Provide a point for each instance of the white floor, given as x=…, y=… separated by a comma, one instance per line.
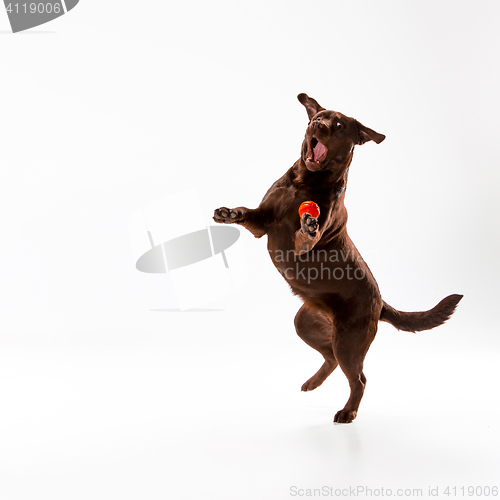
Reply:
x=202, y=405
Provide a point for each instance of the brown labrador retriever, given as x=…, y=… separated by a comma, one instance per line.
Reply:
x=342, y=302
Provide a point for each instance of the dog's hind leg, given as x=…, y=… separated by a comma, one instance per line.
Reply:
x=315, y=329
x=350, y=345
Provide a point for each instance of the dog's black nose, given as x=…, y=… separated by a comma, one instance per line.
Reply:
x=317, y=123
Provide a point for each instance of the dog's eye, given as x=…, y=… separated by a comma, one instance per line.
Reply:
x=338, y=125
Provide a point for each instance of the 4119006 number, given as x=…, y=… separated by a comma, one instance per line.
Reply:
x=471, y=491
x=34, y=8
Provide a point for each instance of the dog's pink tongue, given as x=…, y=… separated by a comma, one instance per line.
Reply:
x=319, y=150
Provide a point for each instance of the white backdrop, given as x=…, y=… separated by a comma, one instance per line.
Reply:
x=106, y=390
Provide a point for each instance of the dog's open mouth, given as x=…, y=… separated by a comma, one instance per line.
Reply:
x=316, y=152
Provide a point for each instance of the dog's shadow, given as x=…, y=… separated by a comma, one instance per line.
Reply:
x=332, y=438
x=326, y=442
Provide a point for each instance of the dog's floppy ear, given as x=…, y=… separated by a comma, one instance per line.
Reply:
x=367, y=134
x=311, y=105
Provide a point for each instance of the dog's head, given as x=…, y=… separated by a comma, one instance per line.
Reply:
x=331, y=137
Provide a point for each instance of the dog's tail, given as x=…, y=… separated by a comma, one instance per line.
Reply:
x=419, y=321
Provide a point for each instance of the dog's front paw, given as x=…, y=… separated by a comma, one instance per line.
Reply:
x=309, y=225
x=345, y=416
x=225, y=215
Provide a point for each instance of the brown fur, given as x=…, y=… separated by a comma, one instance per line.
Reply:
x=342, y=302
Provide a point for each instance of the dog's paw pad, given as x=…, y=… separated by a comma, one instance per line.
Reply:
x=309, y=225
x=225, y=215
x=345, y=416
